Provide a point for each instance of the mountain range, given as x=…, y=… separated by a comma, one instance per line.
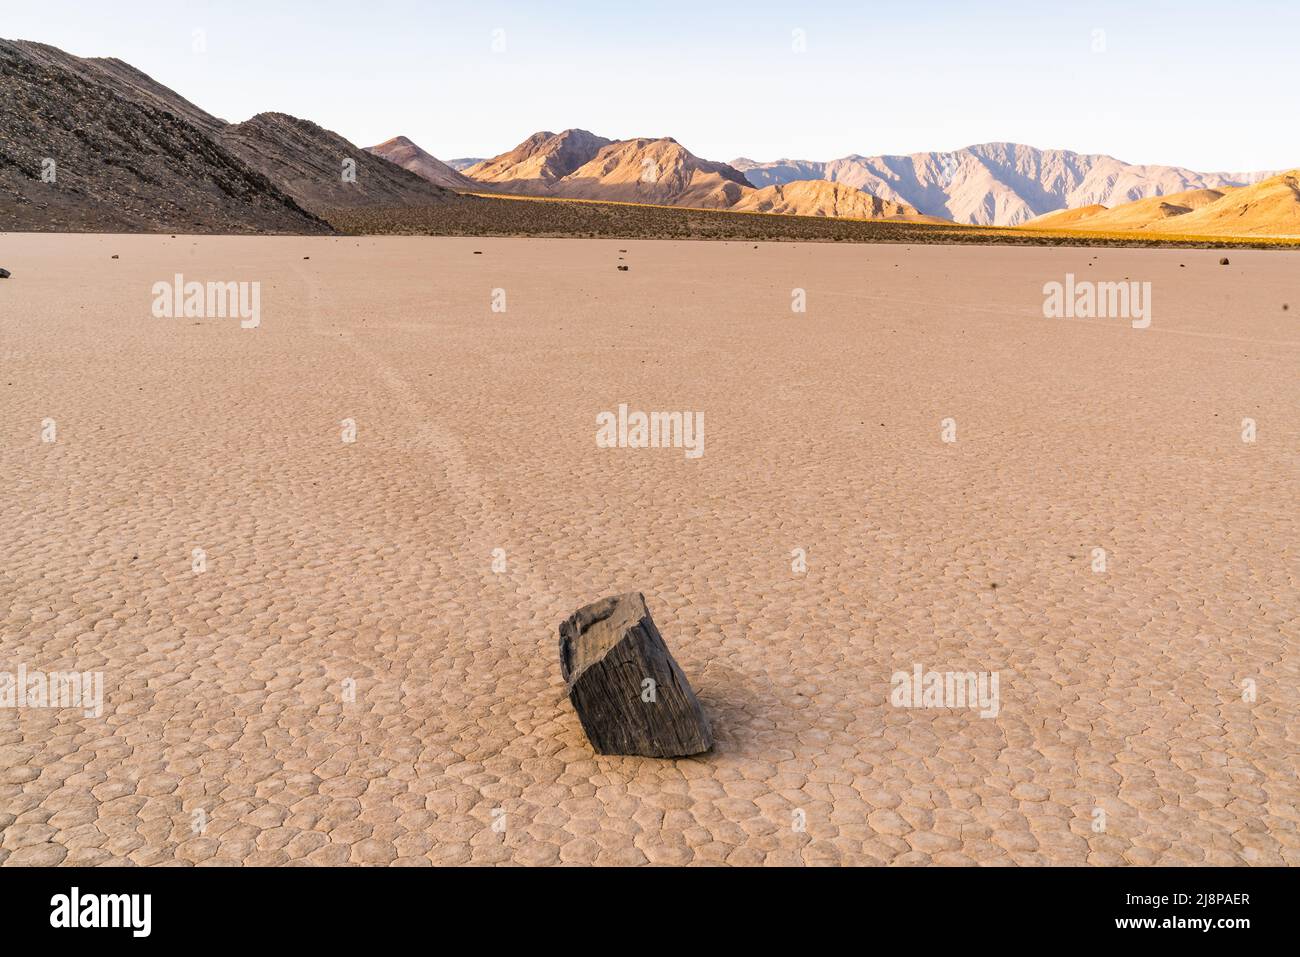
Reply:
x=991, y=184
x=996, y=184
x=577, y=164
x=95, y=144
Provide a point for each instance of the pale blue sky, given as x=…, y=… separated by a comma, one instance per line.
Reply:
x=1211, y=86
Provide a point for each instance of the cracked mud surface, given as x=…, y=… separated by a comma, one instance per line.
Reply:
x=369, y=565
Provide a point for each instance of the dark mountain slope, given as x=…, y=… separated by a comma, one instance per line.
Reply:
x=125, y=157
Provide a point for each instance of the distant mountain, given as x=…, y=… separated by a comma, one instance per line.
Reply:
x=577, y=164
x=779, y=171
x=407, y=155
x=127, y=154
x=536, y=164
x=463, y=163
x=1268, y=208
x=1003, y=184
x=822, y=198
x=1135, y=215
x=657, y=171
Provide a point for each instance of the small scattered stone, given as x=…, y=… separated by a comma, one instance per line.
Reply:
x=116, y=256
x=1223, y=261
x=5, y=274
x=623, y=268
x=478, y=252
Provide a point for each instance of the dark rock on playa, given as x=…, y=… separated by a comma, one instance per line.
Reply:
x=5, y=274
x=1223, y=261
x=623, y=268
x=630, y=695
